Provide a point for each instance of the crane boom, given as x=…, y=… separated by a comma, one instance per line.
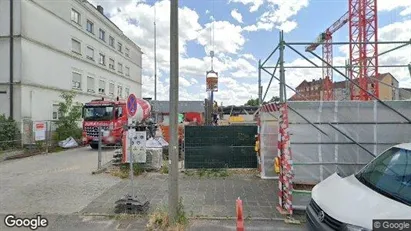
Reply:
x=328, y=32
x=325, y=38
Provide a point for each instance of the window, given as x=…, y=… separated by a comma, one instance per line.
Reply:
x=75, y=46
x=111, y=41
x=389, y=175
x=102, y=59
x=90, y=84
x=56, y=113
x=90, y=26
x=111, y=89
x=102, y=87
x=120, y=91
x=120, y=47
x=127, y=71
x=111, y=64
x=120, y=67
x=76, y=81
x=127, y=52
x=90, y=53
x=127, y=92
x=75, y=16
x=102, y=35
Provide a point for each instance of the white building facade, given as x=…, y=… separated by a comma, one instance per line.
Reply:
x=61, y=46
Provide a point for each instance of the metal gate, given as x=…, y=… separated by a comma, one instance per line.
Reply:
x=220, y=146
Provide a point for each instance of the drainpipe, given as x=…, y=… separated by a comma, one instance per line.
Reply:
x=11, y=59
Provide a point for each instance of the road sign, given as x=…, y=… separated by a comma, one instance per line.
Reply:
x=131, y=105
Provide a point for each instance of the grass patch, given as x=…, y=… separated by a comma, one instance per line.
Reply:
x=164, y=168
x=159, y=220
x=209, y=173
x=123, y=171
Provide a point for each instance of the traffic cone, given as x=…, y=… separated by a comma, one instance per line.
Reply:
x=240, y=220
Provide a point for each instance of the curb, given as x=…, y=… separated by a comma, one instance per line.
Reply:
x=103, y=168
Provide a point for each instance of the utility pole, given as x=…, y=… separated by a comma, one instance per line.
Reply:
x=155, y=54
x=173, y=197
x=260, y=92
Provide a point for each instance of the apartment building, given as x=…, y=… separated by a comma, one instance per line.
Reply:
x=60, y=46
x=312, y=91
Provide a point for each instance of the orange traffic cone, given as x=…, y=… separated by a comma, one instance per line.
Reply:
x=240, y=220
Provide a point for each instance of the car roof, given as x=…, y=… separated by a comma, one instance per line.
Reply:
x=406, y=146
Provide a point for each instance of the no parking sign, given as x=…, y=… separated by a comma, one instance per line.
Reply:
x=131, y=105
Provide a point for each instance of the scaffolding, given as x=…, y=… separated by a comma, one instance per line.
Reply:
x=284, y=150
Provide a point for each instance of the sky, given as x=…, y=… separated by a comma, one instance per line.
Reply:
x=244, y=32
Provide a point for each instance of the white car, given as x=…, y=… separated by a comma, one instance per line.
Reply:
x=380, y=190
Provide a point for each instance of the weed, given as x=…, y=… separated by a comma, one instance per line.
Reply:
x=159, y=220
x=124, y=170
x=164, y=168
x=215, y=172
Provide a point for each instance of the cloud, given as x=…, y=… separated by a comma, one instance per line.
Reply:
x=237, y=16
x=237, y=66
x=228, y=38
x=254, y=4
x=386, y=5
x=278, y=14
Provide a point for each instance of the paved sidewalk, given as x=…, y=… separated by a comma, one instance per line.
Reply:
x=92, y=223
x=202, y=197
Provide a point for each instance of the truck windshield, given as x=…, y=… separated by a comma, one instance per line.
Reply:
x=98, y=113
x=390, y=175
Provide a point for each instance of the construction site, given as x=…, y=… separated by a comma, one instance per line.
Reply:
x=305, y=159
x=325, y=128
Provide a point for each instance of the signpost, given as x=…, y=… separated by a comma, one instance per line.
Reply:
x=40, y=131
x=135, y=142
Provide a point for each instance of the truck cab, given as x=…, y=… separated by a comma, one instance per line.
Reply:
x=108, y=115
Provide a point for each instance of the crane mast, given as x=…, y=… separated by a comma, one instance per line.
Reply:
x=364, y=53
x=325, y=38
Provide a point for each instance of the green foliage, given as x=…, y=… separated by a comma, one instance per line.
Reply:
x=69, y=115
x=10, y=134
x=159, y=219
x=254, y=102
x=164, y=168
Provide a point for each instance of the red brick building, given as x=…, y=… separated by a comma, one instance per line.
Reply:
x=312, y=91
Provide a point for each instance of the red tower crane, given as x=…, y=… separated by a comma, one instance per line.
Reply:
x=363, y=54
x=325, y=38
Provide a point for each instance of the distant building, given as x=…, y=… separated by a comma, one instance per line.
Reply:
x=405, y=93
x=312, y=90
x=59, y=46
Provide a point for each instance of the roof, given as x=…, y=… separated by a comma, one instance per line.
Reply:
x=183, y=106
x=406, y=146
x=340, y=84
x=96, y=11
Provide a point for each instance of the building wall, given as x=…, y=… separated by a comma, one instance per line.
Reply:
x=404, y=94
x=44, y=60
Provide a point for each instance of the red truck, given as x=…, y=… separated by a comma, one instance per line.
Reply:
x=111, y=116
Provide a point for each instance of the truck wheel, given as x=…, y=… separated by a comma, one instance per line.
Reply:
x=94, y=146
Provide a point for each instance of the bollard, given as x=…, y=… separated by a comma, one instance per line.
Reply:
x=99, y=147
x=240, y=220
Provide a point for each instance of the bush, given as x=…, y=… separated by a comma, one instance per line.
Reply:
x=10, y=134
x=69, y=115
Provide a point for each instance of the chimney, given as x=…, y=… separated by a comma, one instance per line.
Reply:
x=100, y=9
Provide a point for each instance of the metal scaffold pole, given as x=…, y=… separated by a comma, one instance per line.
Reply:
x=260, y=92
x=282, y=87
x=173, y=151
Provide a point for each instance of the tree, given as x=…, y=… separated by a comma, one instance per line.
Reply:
x=69, y=116
x=10, y=134
x=254, y=102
